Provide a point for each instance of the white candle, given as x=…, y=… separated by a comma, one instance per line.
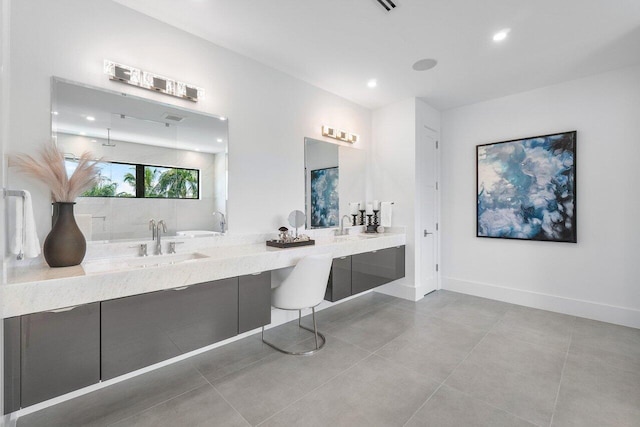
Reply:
x=376, y=205
x=353, y=208
x=362, y=206
x=369, y=209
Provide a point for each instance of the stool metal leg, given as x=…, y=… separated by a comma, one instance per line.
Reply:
x=314, y=331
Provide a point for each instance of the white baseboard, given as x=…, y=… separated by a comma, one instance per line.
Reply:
x=589, y=309
x=402, y=289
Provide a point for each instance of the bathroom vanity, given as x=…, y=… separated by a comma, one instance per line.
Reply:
x=72, y=327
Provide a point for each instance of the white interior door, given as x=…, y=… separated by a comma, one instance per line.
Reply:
x=429, y=213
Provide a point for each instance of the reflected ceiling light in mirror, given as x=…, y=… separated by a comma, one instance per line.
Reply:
x=91, y=118
x=152, y=81
x=219, y=140
x=222, y=118
x=372, y=83
x=501, y=35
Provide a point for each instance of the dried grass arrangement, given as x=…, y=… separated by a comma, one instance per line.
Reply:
x=51, y=170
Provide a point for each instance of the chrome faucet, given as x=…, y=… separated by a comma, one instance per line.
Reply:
x=161, y=227
x=152, y=227
x=222, y=221
x=342, y=232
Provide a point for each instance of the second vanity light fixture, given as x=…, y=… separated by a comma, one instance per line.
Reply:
x=340, y=134
x=151, y=81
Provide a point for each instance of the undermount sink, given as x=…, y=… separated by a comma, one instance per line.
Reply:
x=359, y=236
x=112, y=264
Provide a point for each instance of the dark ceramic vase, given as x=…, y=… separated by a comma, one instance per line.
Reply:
x=65, y=245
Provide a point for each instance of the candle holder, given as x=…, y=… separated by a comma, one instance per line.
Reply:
x=370, y=227
x=355, y=219
x=362, y=211
x=375, y=217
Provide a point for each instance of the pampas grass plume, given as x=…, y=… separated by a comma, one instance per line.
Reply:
x=51, y=170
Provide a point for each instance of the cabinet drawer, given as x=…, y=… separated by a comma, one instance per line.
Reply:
x=254, y=301
x=11, y=364
x=372, y=269
x=60, y=352
x=339, y=285
x=141, y=330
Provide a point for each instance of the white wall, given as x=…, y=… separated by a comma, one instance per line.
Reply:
x=395, y=164
x=269, y=112
x=598, y=276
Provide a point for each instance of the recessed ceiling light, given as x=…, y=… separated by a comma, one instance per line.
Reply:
x=425, y=64
x=372, y=83
x=91, y=118
x=219, y=139
x=223, y=118
x=501, y=35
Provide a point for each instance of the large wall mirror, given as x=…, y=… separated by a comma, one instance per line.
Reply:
x=158, y=162
x=334, y=177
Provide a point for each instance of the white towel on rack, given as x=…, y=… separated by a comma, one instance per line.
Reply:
x=386, y=213
x=25, y=238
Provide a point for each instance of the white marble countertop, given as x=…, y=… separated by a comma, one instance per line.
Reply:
x=39, y=288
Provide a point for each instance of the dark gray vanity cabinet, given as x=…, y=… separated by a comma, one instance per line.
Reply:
x=60, y=352
x=141, y=330
x=11, y=364
x=375, y=268
x=339, y=285
x=254, y=301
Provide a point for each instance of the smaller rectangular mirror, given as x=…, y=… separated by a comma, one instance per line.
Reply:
x=334, y=177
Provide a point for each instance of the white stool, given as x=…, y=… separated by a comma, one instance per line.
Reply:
x=303, y=288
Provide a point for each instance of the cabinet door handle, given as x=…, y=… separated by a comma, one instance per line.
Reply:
x=62, y=310
x=180, y=289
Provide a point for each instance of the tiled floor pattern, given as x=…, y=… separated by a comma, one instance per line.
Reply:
x=447, y=360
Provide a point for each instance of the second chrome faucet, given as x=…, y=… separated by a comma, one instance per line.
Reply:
x=156, y=233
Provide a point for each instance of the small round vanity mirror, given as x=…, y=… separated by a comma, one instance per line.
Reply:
x=296, y=219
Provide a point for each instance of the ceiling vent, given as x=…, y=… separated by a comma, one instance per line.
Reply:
x=172, y=117
x=387, y=4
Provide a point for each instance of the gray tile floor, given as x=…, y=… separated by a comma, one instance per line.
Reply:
x=447, y=360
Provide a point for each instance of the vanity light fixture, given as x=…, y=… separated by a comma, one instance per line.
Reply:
x=338, y=134
x=152, y=81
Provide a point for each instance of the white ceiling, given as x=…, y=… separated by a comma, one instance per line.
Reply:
x=338, y=45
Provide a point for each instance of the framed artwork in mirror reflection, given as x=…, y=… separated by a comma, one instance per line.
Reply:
x=526, y=188
x=324, y=197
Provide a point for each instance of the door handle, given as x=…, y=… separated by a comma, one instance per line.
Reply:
x=426, y=233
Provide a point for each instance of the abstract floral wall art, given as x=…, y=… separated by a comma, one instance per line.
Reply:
x=324, y=197
x=526, y=188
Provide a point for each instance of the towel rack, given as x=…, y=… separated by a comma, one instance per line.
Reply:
x=18, y=193
x=13, y=193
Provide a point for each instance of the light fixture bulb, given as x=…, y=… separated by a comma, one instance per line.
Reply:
x=372, y=83
x=91, y=118
x=501, y=35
